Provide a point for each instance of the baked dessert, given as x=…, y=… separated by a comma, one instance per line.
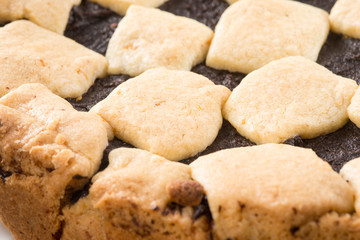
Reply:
x=90, y=211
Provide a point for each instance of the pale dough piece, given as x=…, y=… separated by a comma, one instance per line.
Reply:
x=252, y=33
x=129, y=200
x=231, y=1
x=289, y=97
x=121, y=6
x=345, y=18
x=149, y=38
x=50, y=151
x=175, y=114
x=269, y=191
x=351, y=173
x=31, y=54
x=354, y=108
x=49, y=14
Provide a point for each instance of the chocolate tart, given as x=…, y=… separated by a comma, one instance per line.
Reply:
x=92, y=26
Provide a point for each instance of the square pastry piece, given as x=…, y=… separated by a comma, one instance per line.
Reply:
x=174, y=114
x=273, y=192
x=120, y=6
x=289, y=97
x=31, y=54
x=48, y=150
x=139, y=196
x=149, y=38
x=251, y=33
x=345, y=18
x=50, y=14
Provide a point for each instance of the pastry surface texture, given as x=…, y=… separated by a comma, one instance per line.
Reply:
x=31, y=54
x=252, y=33
x=149, y=38
x=175, y=114
x=273, y=189
x=289, y=97
x=345, y=19
x=49, y=14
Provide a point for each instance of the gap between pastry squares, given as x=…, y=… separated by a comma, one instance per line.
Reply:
x=338, y=54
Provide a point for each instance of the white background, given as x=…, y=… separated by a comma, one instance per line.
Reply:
x=4, y=234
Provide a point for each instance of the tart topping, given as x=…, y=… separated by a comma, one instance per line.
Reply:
x=267, y=191
x=252, y=33
x=49, y=14
x=174, y=114
x=289, y=97
x=29, y=53
x=345, y=18
x=148, y=38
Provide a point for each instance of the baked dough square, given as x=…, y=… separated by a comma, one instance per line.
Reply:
x=252, y=33
x=132, y=199
x=276, y=192
x=148, y=38
x=174, y=114
x=121, y=6
x=290, y=97
x=29, y=54
x=49, y=14
x=345, y=18
x=48, y=150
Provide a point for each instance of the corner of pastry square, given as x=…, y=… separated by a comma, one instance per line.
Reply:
x=150, y=38
x=252, y=33
x=345, y=19
x=50, y=14
x=276, y=192
x=47, y=152
x=31, y=54
x=140, y=195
